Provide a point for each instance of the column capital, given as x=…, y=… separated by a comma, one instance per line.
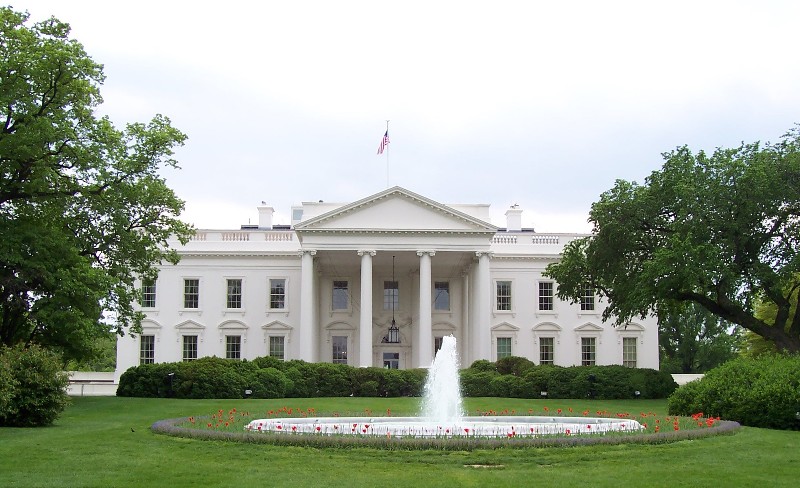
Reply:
x=312, y=252
x=429, y=253
x=480, y=254
x=362, y=252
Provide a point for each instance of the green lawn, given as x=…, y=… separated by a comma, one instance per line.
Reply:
x=106, y=442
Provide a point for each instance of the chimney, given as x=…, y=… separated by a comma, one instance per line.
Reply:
x=265, y=216
x=514, y=219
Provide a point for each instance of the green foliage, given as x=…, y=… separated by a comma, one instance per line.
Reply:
x=32, y=386
x=719, y=230
x=760, y=392
x=83, y=211
x=693, y=340
x=600, y=382
x=265, y=377
x=514, y=365
x=100, y=356
x=483, y=365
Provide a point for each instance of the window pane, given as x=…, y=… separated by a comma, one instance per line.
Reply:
x=391, y=295
x=441, y=297
x=587, y=298
x=545, y=295
x=189, y=347
x=629, y=352
x=588, y=351
x=191, y=293
x=276, y=347
x=341, y=295
x=233, y=347
x=234, y=296
x=503, y=347
x=339, y=349
x=547, y=350
x=503, y=295
x=147, y=349
x=277, y=294
x=148, y=294
x=437, y=344
x=391, y=360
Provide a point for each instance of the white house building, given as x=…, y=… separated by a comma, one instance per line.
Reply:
x=377, y=282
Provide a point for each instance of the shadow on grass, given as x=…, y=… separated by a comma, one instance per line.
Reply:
x=172, y=427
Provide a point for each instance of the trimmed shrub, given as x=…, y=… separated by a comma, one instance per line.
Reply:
x=269, y=383
x=477, y=384
x=35, y=391
x=514, y=365
x=483, y=366
x=759, y=392
x=509, y=386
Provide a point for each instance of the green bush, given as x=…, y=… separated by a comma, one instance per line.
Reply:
x=477, y=384
x=514, y=365
x=34, y=391
x=269, y=383
x=759, y=392
x=483, y=366
x=509, y=386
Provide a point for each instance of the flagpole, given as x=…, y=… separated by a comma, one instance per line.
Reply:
x=387, y=157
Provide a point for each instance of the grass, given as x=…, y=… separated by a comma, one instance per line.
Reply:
x=107, y=442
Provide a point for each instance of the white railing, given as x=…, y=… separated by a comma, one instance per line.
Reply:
x=544, y=239
x=501, y=239
x=286, y=236
x=244, y=236
x=235, y=236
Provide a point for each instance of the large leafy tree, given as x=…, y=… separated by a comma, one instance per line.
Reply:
x=83, y=210
x=693, y=340
x=720, y=230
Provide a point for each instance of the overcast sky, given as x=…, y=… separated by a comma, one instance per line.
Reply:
x=543, y=104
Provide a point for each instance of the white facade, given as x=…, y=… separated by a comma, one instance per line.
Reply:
x=296, y=292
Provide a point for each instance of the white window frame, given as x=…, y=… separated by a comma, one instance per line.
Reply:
x=540, y=297
x=496, y=294
x=151, y=295
x=285, y=307
x=196, y=347
x=349, y=306
x=436, y=295
x=199, y=281
x=241, y=293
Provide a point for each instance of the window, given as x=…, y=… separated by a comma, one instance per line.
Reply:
x=545, y=295
x=277, y=294
x=191, y=293
x=504, y=295
x=437, y=344
x=339, y=349
x=189, y=347
x=147, y=349
x=341, y=295
x=587, y=298
x=148, y=294
x=503, y=347
x=277, y=347
x=629, y=352
x=588, y=351
x=234, y=295
x=441, y=297
x=547, y=350
x=233, y=347
x=391, y=360
x=391, y=295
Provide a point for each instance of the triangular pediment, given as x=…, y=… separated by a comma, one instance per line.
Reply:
x=395, y=210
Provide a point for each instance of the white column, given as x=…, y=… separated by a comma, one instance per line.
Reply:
x=466, y=336
x=306, y=336
x=483, y=294
x=365, y=322
x=424, y=339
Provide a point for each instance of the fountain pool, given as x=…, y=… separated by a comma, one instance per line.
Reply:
x=442, y=415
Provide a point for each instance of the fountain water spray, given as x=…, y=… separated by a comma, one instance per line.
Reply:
x=442, y=401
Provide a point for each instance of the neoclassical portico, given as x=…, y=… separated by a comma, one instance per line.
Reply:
x=431, y=242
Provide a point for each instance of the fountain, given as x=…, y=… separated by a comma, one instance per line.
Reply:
x=443, y=416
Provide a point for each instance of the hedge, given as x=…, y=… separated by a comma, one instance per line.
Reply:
x=271, y=378
x=758, y=392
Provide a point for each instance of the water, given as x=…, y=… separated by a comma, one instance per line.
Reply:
x=443, y=415
x=442, y=397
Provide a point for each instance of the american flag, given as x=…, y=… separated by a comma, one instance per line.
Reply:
x=384, y=143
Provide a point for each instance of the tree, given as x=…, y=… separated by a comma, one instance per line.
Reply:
x=693, y=340
x=719, y=230
x=83, y=210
